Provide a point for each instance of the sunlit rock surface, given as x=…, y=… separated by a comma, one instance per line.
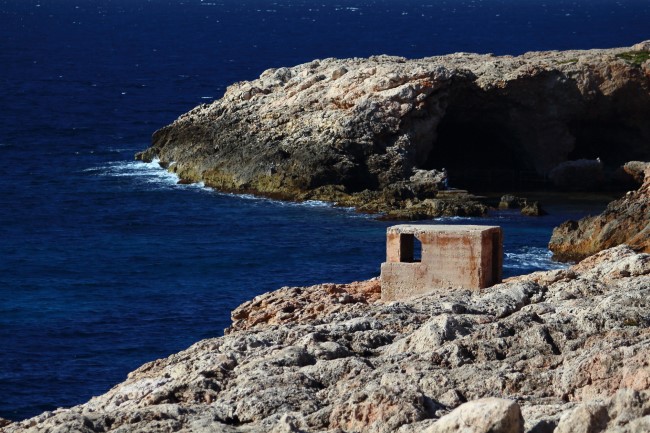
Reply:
x=625, y=221
x=357, y=131
x=565, y=349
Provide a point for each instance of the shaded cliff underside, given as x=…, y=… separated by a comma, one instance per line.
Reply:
x=356, y=131
x=570, y=347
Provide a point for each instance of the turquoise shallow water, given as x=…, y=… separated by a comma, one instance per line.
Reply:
x=107, y=263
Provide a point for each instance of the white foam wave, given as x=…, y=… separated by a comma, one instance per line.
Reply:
x=535, y=258
x=454, y=218
x=149, y=173
x=121, y=149
x=316, y=203
x=306, y=203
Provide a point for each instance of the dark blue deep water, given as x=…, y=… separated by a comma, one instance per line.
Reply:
x=106, y=263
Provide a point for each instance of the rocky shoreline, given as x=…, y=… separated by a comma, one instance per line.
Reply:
x=568, y=350
x=625, y=221
x=376, y=133
x=557, y=351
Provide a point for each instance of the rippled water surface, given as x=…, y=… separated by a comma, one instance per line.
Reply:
x=106, y=263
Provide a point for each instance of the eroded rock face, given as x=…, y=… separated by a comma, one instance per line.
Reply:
x=358, y=131
x=563, y=347
x=625, y=221
x=627, y=411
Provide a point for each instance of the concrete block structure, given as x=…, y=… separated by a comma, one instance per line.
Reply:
x=465, y=256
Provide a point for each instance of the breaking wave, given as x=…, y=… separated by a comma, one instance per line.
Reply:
x=530, y=259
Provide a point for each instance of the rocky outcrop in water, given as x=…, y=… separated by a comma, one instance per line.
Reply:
x=527, y=207
x=625, y=221
x=559, y=351
x=362, y=132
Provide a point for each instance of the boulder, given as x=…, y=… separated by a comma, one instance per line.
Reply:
x=487, y=415
x=532, y=208
x=627, y=411
x=510, y=202
x=528, y=207
x=636, y=170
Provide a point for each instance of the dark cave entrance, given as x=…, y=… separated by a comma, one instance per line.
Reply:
x=479, y=151
x=608, y=139
x=479, y=138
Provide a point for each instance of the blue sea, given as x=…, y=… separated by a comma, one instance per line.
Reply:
x=107, y=263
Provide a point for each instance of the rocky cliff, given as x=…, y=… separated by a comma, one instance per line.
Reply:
x=559, y=351
x=375, y=133
x=626, y=220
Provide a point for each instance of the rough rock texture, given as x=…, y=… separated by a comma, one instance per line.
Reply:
x=486, y=415
x=570, y=348
x=626, y=220
x=627, y=411
x=528, y=207
x=357, y=131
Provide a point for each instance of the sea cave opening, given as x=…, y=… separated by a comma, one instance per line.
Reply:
x=480, y=153
x=610, y=140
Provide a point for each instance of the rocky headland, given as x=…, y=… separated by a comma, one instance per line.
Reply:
x=625, y=221
x=376, y=133
x=559, y=351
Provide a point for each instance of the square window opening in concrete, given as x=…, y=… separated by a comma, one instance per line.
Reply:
x=406, y=247
x=409, y=249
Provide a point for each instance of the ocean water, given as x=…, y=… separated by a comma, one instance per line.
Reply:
x=106, y=263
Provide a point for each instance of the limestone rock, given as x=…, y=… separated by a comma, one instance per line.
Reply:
x=486, y=415
x=569, y=347
x=360, y=132
x=509, y=202
x=636, y=169
x=528, y=207
x=296, y=304
x=627, y=411
x=532, y=208
x=626, y=220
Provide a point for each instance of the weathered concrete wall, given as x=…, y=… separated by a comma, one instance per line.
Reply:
x=465, y=256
